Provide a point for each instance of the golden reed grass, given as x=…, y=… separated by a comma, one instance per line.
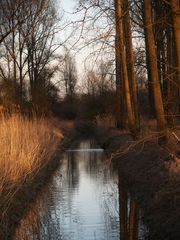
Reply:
x=26, y=145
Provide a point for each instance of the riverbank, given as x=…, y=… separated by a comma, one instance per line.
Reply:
x=41, y=142
x=152, y=173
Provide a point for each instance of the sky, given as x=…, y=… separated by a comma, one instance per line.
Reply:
x=85, y=60
x=68, y=7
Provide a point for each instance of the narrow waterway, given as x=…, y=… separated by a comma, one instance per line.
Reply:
x=84, y=200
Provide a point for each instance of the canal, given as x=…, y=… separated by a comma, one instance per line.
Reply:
x=84, y=200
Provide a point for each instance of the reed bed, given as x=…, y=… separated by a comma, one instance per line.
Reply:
x=26, y=146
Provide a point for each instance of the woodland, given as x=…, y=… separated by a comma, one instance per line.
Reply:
x=129, y=80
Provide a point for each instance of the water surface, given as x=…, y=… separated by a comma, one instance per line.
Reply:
x=84, y=200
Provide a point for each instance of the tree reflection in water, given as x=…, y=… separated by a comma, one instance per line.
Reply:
x=129, y=215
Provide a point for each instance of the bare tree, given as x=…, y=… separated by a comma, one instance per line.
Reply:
x=120, y=51
x=130, y=61
x=175, y=8
x=152, y=56
x=29, y=47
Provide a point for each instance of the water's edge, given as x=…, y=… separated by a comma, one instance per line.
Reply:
x=28, y=192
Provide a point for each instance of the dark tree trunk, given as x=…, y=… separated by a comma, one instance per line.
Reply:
x=152, y=56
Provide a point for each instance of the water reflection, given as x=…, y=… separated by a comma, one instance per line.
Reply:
x=131, y=227
x=84, y=200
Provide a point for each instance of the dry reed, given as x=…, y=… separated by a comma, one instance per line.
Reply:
x=26, y=145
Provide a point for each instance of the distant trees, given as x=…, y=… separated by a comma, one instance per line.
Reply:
x=70, y=75
x=137, y=40
x=66, y=80
x=27, y=32
x=100, y=79
x=98, y=96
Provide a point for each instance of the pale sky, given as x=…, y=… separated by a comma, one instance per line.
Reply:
x=67, y=4
x=68, y=7
x=81, y=56
x=84, y=56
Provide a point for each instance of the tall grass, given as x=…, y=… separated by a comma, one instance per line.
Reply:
x=26, y=145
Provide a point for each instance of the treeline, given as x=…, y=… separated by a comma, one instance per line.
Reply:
x=146, y=48
x=135, y=50
x=27, y=47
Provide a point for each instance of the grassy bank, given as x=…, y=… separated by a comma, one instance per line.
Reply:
x=30, y=152
x=28, y=146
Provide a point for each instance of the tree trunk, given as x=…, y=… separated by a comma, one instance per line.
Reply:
x=130, y=61
x=133, y=221
x=123, y=215
x=122, y=57
x=149, y=77
x=170, y=78
x=150, y=87
x=13, y=47
x=123, y=210
x=175, y=7
x=120, y=113
x=152, y=56
x=14, y=61
x=20, y=66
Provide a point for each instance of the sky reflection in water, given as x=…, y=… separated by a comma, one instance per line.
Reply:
x=80, y=202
